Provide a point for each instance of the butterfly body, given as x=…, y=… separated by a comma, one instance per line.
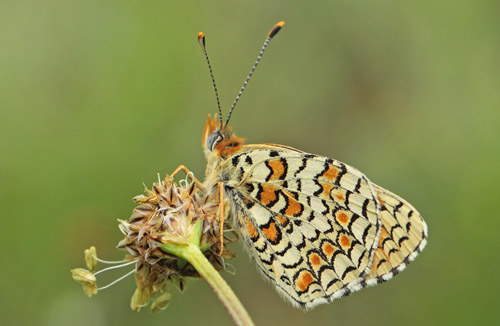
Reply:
x=317, y=228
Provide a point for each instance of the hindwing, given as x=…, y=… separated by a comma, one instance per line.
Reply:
x=403, y=236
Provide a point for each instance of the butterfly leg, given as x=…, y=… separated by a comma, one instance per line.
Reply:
x=220, y=190
x=186, y=170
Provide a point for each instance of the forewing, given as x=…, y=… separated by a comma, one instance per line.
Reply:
x=311, y=222
x=276, y=254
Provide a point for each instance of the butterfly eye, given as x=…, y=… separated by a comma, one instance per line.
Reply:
x=213, y=139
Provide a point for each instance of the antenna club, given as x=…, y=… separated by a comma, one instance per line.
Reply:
x=276, y=28
x=201, y=40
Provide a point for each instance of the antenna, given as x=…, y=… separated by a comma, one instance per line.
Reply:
x=270, y=35
x=201, y=40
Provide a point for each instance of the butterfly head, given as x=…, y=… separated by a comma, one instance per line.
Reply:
x=219, y=139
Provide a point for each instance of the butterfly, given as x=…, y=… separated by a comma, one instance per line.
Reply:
x=317, y=228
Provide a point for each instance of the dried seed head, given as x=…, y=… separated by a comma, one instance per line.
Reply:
x=168, y=214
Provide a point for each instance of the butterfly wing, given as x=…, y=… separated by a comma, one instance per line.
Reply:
x=311, y=223
x=403, y=236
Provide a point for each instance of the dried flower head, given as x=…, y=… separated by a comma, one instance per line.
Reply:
x=169, y=216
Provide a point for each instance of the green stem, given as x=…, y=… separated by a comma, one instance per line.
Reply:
x=226, y=295
x=191, y=252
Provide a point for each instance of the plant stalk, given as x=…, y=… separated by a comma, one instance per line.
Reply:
x=193, y=254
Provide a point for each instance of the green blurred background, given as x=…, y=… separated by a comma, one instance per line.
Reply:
x=97, y=97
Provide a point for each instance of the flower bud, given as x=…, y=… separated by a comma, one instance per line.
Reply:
x=90, y=258
x=86, y=279
x=161, y=302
